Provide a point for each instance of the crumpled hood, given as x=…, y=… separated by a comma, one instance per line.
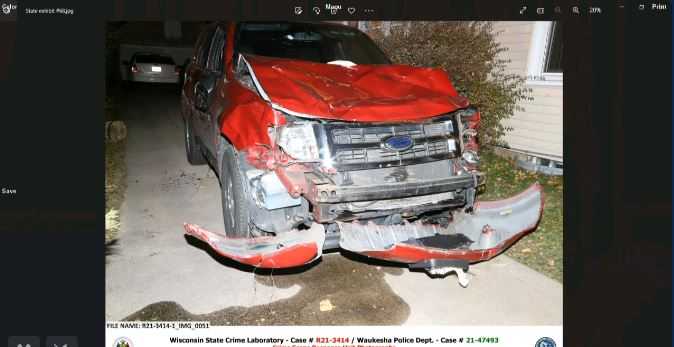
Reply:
x=368, y=93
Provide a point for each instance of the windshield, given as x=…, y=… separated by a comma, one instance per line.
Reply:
x=314, y=42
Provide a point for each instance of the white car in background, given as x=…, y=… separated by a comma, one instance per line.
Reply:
x=153, y=68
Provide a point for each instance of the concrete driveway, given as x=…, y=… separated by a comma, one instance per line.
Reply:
x=155, y=272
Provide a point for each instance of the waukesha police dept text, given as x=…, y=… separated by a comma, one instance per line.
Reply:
x=403, y=339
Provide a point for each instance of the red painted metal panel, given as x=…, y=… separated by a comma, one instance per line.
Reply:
x=359, y=93
x=262, y=252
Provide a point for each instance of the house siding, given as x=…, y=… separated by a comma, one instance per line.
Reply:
x=538, y=129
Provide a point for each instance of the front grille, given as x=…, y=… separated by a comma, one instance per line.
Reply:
x=375, y=134
x=357, y=146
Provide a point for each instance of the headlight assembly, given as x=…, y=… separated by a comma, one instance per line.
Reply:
x=471, y=157
x=299, y=141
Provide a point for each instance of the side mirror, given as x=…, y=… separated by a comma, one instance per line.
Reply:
x=200, y=97
x=202, y=91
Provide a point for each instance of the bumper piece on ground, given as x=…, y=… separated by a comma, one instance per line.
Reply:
x=491, y=228
x=470, y=237
x=286, y=250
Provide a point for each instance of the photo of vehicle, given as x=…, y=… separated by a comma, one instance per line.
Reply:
x=347, y=151
x=298, y=153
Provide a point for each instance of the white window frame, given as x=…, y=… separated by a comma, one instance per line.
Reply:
x=540, y=39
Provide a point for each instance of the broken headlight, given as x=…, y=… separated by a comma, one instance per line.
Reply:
x=471, y=157
x=470, y=120
x=299, y=141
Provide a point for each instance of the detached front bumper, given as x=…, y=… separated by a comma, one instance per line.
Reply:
x=286, y=250
x=471, y=237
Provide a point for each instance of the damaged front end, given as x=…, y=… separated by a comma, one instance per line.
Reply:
x=469, y=237
x=389, y=174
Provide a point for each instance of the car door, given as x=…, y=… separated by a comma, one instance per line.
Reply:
x=194, y=70
x=209, y=82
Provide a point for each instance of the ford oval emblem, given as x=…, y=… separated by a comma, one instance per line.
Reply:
x=398, y=142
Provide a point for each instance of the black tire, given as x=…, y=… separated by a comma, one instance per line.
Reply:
x=192, y=148
x=234, y=192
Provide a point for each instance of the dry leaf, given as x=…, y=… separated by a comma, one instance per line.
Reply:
x=326, y=305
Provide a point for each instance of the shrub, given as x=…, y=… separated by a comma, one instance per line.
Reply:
x=470, y=54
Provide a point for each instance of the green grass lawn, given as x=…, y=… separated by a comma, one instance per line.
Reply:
x=541, y=249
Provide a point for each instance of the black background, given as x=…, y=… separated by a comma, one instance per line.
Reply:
x=617, y=148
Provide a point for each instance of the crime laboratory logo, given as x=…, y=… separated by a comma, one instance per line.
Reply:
x=123, y=342
x=545, y=342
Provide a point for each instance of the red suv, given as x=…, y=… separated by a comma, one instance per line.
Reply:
x=320, y=143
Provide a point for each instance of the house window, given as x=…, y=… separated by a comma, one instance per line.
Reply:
x=545, y=54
